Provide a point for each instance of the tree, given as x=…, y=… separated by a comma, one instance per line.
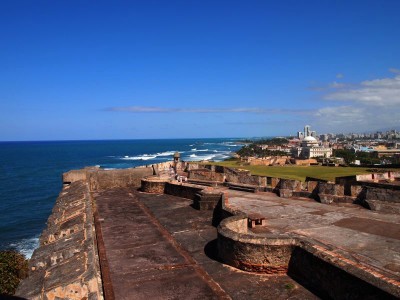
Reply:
x=13, y=268
x=348, y=155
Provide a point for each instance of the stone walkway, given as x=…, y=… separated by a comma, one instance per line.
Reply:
x=159, y=247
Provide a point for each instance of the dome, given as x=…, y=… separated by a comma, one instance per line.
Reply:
x=310, y=139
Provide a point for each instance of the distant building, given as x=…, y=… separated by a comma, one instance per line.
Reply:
x=310, y=146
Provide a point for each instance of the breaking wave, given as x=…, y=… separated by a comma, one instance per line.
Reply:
x=26, y=246
x=149, y=156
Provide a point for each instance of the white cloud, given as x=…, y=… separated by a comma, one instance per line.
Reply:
x=394, y=70
x=363, y=106
x=339, y=75
x=336, y=85
x=357, y=118
x=253, y=110
x=377, y=92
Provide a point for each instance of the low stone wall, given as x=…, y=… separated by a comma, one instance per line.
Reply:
x=187, y=191
x=219, y=173
x=206, y=174
x=382, y=194
x=305, y=162
x=382, y=199
x=154, y=185
x=328, y=274
x=346, y=189
x=66, y=264
x=108, y=179
x=372, y=177
x=207, y=200
x=238, y=248
x=294, y=185
x=100, y=179
x=331, y=276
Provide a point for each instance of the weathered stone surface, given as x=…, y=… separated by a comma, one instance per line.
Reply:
x=107, y=179
x=294, y=185
x=66, y=265
x=384, y=206
x=170, y=277
x=383, y=194
x=205, y=200
x=285, y=193
x=153, y=185
x=331, y=189
x=188, y=191
x=353, y=257
x=206, y=174
x=166, y=249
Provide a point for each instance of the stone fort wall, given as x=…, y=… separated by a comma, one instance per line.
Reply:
x=66, y=265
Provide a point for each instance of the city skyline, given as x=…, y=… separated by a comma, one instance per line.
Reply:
x=186, y=69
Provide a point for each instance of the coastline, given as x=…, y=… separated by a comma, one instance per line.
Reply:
x=30, y=181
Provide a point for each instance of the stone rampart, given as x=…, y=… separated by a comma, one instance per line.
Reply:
x=66, y=264
x=348, y=189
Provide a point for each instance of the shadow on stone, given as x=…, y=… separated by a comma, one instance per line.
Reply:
x=329, y=282
x=217, y=214
x=211, y=250
x=8, y=297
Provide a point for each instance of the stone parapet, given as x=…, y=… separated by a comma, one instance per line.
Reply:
x=294, y=185
x=331, y=189
x=206, y=174
x=243, y=250
x=66, y=264
x=329, y=198
x=285, y=193
x=187, y=191
x=206, y=200
x=333, y=274
x=154, y=185
x=106, y=179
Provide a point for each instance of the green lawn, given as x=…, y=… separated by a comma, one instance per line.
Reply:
x=298, y=172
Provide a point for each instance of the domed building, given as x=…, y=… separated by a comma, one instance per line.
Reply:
x=309, y=141
x=310, y=148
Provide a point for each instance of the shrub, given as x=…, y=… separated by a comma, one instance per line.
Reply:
x=13, y=268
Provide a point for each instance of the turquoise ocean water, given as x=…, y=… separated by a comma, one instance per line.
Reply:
x=30, y=175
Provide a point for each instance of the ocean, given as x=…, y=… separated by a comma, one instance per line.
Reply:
x=30, y=175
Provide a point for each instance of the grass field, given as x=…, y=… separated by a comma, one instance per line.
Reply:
x=298, y=172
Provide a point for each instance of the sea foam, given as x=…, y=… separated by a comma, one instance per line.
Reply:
x=26, y=246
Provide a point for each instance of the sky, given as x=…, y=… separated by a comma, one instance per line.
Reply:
x=76, y=70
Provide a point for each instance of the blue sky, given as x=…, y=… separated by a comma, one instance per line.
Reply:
x=170, y=69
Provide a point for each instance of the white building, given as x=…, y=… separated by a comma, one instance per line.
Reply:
x=310, y=147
